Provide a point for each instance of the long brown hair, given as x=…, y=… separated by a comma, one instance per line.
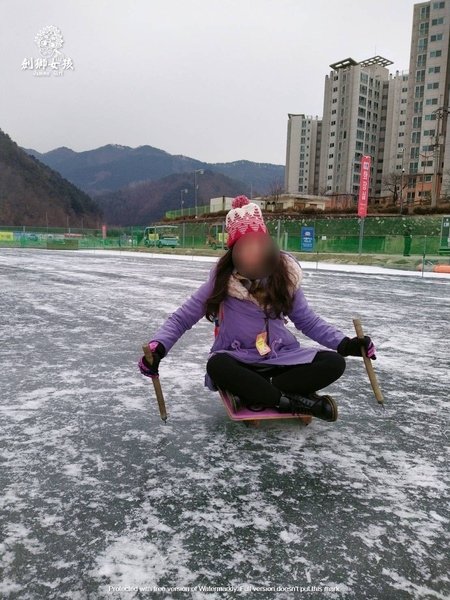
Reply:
x=277, y=291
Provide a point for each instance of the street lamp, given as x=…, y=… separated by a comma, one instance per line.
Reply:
x=200, y=172
x=181, y=199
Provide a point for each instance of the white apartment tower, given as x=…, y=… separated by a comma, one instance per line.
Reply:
x=427, y=125
x=351, y=124
x=302, y=154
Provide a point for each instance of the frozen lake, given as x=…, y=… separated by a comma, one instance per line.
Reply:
x=96, y=491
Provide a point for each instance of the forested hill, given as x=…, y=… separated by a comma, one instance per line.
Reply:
x=31, y=193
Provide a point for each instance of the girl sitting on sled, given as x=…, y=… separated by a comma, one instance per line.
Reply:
x=251, y=292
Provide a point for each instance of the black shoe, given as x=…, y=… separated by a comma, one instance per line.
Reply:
x=239, y=403
x=323, y=407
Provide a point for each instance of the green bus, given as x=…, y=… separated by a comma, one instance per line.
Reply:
x=162, y=235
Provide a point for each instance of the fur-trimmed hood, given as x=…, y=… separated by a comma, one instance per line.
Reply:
x=237, y=289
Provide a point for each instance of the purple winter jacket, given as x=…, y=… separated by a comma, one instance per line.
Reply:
x=242, y=319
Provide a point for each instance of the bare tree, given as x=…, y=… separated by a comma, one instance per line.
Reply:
x=276, y=188
x=393, y=183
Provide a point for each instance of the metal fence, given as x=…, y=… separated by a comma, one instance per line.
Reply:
x=416, y=236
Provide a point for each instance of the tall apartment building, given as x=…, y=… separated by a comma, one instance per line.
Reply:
x=302, y=154
x=427, y=130
x=351, y=124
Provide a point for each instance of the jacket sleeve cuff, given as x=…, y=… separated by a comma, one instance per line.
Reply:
x=158, y=347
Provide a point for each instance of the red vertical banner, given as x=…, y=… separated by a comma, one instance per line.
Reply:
x=364, y=182
x=104, y=231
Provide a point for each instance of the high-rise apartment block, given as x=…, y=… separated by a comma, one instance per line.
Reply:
x=428, y=100
x=303, y=154
x=351, y=123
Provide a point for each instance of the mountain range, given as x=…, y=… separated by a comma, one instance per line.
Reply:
x=112, y=167
x=135, y=186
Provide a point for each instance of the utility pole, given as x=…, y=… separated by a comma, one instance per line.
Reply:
x=401, y=182
x=441, y=126
x=352, y=175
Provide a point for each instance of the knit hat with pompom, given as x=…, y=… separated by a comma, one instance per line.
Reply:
x=244, y=217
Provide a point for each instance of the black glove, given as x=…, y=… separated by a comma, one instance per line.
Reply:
x=151, y=370
x=352, y=347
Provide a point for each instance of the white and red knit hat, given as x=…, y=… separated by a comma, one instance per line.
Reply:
x=244, y=217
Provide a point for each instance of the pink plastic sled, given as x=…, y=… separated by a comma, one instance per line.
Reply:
x=248, y=417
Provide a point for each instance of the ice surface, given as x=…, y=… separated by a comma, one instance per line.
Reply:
x=96, y=491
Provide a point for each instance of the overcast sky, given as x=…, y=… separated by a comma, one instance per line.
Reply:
x=210, y=79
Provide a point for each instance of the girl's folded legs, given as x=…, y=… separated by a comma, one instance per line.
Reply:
x=253, y=387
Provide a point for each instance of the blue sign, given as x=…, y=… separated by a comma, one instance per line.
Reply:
x=307, y=239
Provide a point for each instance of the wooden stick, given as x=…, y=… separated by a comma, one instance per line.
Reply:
x=368, y=363
x=156, y=384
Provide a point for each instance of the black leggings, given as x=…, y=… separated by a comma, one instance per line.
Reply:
x=253, y=386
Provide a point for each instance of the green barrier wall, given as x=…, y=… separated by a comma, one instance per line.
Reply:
x=381, y=235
